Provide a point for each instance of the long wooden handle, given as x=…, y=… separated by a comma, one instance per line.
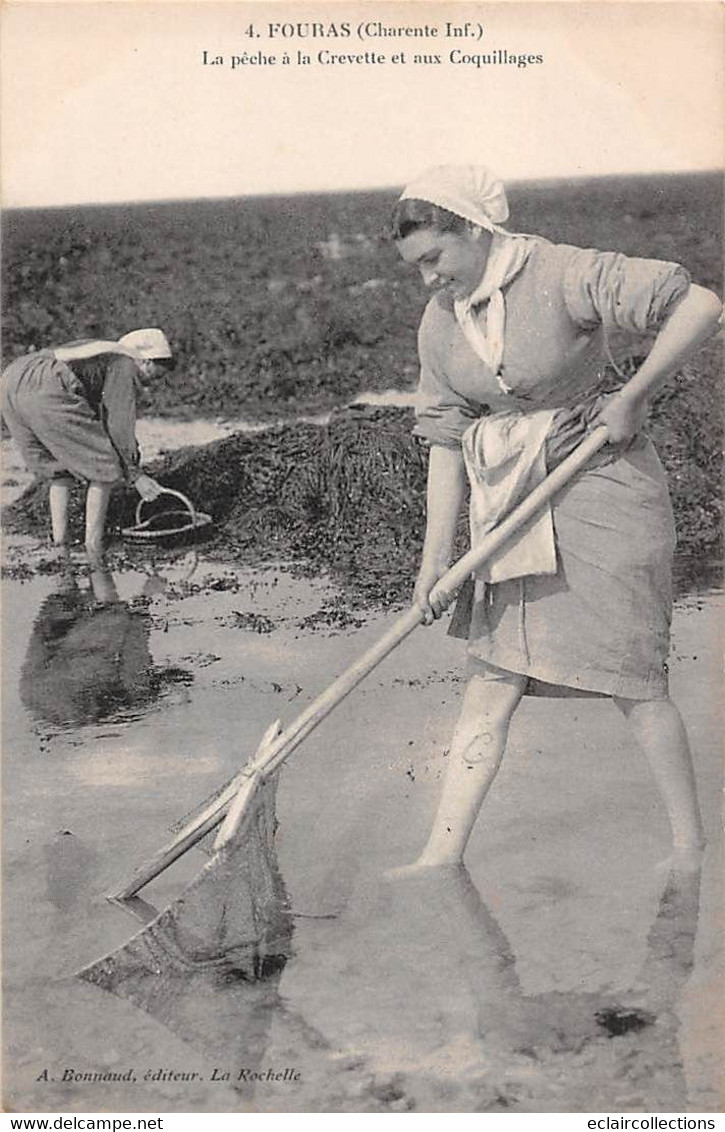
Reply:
x=444, y=591
x=271, y=755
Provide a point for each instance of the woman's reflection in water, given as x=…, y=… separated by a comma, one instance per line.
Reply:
x=410, y=1002
x=416, y=1006
x=88, y=658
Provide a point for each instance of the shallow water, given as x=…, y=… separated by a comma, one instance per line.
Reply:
x=565, y=970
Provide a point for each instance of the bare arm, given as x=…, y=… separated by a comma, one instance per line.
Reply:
x=692, y=322
x=446, y=487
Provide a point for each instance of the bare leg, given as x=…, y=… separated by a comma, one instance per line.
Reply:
x=659, y=730
x=475, y=756
x=96, y=507
x=58, y=497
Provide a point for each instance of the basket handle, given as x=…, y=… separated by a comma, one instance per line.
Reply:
x=168, y=491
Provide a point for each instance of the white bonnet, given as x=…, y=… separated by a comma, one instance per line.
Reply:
x=470, y=191
x=149, y=343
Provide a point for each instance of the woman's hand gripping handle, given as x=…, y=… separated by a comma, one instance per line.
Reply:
x=147, y=487
x=431, y=599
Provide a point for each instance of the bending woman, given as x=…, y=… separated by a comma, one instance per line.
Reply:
x=516, y=349
x=72, y=413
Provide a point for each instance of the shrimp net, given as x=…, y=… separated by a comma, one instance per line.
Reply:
x=232, y=921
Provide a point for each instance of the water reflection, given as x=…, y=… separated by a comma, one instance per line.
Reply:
x=418, y=1000
x=88, y=657
x=411, y=1002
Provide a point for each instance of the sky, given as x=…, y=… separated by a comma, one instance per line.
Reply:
x=113, y=101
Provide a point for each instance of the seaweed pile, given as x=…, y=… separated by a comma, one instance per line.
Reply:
x=347, y=498
x=686, y=426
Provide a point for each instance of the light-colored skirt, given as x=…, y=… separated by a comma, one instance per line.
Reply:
x=601, y=623
x=52, y=423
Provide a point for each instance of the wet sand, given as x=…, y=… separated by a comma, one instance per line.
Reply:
x=566, y=970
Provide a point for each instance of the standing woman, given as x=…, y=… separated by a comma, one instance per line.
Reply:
x=71, y=411
x=513, y=349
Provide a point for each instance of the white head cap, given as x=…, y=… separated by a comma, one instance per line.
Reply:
x=149, y=343
x=470, y=191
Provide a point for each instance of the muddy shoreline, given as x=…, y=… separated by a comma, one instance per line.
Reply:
x=553, y=980
x=569, y=968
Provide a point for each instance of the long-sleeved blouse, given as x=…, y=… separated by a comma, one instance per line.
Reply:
x=570, y=312
x=601, y=623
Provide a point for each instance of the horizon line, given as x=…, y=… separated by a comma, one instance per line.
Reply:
x=214, y=197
